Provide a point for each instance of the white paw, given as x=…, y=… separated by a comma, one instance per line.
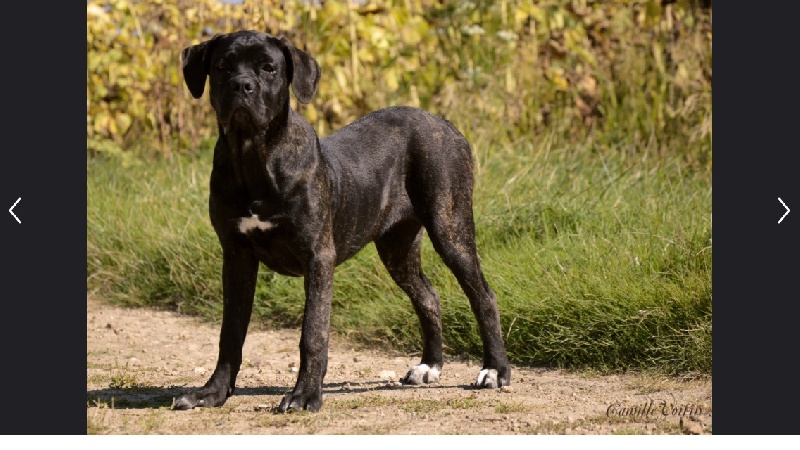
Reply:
x=421, y=373
x=487, y=378
x=247, y=224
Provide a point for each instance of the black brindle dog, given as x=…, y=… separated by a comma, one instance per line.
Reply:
x=302, y=206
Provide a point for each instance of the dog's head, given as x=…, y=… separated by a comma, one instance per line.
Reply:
x=249, y=76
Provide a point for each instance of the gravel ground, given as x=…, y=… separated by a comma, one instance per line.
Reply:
x=140, y=360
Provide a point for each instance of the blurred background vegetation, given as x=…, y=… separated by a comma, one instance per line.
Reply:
x=591, y=126
x=625, y=67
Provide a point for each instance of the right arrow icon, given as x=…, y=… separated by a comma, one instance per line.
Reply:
x=784, y=214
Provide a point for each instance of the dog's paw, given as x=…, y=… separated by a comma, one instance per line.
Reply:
x=298, y=401
x=493, y=379
x=202, y=397
x=421, y=373
x=487, y=378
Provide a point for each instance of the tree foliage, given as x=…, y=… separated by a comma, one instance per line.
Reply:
x=515, y=66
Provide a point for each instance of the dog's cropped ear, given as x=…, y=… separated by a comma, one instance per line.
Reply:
x=303, y=71
x=196, y=66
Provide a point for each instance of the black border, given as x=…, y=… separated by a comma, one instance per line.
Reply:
x=757, y=95
x=755, y=318
x=43, y=337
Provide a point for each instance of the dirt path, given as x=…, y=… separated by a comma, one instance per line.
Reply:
x=139, y=360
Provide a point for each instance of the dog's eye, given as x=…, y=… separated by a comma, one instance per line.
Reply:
x=269, y=68
x=222, y=65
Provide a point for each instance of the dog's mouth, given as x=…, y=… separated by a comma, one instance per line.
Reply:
x=238, y=117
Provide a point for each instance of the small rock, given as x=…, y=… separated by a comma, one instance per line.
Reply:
x=505, y=389
x=262, y=408
x=571, y=419
x=293, y=369
x=387, y=375
x=355, y=359
x=690, y=427
x=200, y=370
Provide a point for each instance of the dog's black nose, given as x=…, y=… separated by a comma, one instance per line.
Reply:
x=241, y=85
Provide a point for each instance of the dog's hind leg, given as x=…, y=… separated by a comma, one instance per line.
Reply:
x=399, y=250
x=452, y=231
x=239, y=271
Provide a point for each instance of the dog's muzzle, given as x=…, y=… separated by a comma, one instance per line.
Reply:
x=237, y=108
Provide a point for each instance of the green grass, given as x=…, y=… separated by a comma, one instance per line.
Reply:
x=600, y=256
x=513, y=407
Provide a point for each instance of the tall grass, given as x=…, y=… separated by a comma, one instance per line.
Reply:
x=598, y=260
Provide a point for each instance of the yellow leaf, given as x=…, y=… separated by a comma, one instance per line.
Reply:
x=123, y=122
x=520, y=17
x=557, y=20
x=560, y=81
x=410, y=63
x=100, y=122
x=112, y=127
x=311, y=113
x=96, y=12
x=340, y=77
x=391, y=80
x=365, y=55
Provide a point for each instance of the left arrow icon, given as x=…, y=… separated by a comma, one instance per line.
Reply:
x=11, y=210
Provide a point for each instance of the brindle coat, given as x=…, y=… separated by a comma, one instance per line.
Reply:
x=301, y=206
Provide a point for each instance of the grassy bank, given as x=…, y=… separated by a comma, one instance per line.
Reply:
x=600, y=256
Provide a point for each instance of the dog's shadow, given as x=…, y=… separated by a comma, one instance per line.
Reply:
x=164, y=397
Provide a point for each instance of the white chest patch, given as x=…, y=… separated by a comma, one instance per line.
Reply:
x=247, y=224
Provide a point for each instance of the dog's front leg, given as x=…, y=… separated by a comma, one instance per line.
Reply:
x=307, y=393
x=239, y=271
